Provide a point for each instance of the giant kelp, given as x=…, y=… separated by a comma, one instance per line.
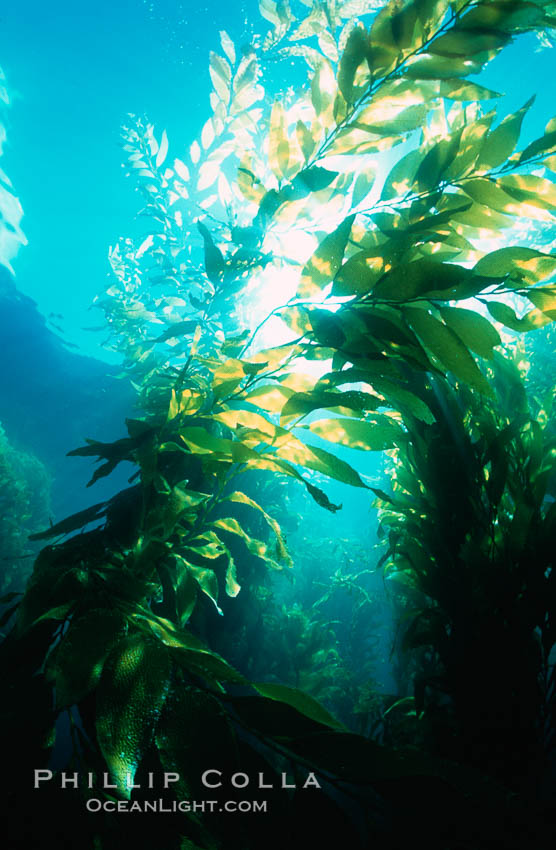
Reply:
x=118, y=620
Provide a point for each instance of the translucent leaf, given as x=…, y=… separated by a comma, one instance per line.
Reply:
x=81, y=654
x=501, y=142
x=221, y=76
x=326, y=261
x=474, y=330
x=523, y=264
x=300, y=701
x=354, y=54
x=162, y=150
x=506, y=316
x=376, y=435
x=132, y=689
x=448, y=348
x=278, y=145
x=228, y=46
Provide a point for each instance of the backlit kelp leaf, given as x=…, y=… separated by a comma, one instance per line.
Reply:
x=464, y=90
x=323, y=93
x=544, y=299
x=354, y=54
x=185, y=590
x=359, y=274
x=300, y=404
x=305, y=139
x=429, y=67
x=228, y=46
x=377, y=434
x=312, y=457
x=462, y=43
x=448, y=348
x=80, y=656
x=221, y=76
x=363, y=183
x=326, y=261
x=256, y=547
x=436, y=162
x=207, y=580
x=300, y=701
x=402, y=176
x=523, y=264
x=178, y=329
x=506, y=316
x=278, y=145
x=530, y=189
x=271, y=397
x=133, y=686
x=476, y=332
x=501, y=142
x=422, y=277
x=489, y=193
x=282, y=551
x=214, y=261
x=314, y=179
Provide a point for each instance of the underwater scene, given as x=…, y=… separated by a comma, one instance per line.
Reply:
x=278, y=424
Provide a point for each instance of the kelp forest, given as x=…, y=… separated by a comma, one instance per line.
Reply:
x=344, y=286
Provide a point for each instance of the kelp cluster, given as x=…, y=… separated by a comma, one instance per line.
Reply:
x=397, y=326
x=24, y=505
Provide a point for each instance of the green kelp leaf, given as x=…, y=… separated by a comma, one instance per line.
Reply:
x=544, y=145
x=283, y=553
x=256, y=547
x=402, y=399
x=402, y=176
x=278, y=145
x=314, y=179
x=530, y=189
x=193, y=734
x=300, y=701
x=359, y=274
x=326, y=261
x=311, y=457
x=501, y=142
x=476, y=332
x=73, y=522
x=221, y=76
x=207, y=581
x=422, y=277
x=209, y=665
x=544, y=299
x=300, y=404
x=185, y=589
x=321, y=498
x=463, y=43
x=376, y=435
x=506, y=316
x=436, y=162
x=133, y=686
x=214, y=261
x=523, y=264
x=80, y=656
x=490, y=194
x=448, y=348
x=429, y=67
x=177, y=330
x=464, y=90
x=355, y=53
x=364, y=183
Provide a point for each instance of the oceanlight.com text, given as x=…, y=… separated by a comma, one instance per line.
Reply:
x=171, y=807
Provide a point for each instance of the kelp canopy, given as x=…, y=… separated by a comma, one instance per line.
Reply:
x=402, y=338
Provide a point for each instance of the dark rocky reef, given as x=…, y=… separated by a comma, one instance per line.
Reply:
x=52, y=398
